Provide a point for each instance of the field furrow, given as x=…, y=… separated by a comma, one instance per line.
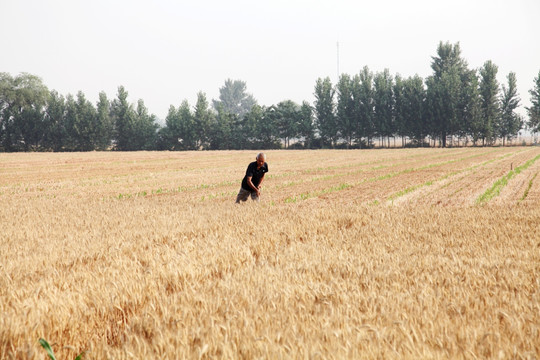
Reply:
x=519, y=185
x=390, y=180
x=466, y=185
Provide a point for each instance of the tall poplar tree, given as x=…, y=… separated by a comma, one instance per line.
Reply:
x=179, y=131
x=55, y=134
x=84, y=129
x=414, y=124
x=324, y=111
x=123, y=117
x=202, y=118
x=444, y=98
x=400, y=108
x=70, y=142
x=104, y=123
x=220, y=134
x=363, y=94
x=185, y=130
x=345, y=111
x=169, y=135
x=81, y=124
x=266, y=127
x=534, y=110
x=287, y=120
x=489, y=95
x=143, y=136
x=248, y=135
x=473, y=108
x=510, y=122
x=383, y=105
x=306, y=128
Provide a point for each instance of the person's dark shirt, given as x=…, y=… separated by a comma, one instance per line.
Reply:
x=256, y=175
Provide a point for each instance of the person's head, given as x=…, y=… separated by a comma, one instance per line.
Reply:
x=261, y=159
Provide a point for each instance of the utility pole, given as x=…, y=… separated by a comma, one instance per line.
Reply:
x=337, y=62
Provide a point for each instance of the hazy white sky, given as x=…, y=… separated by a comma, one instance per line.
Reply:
x=165, y=51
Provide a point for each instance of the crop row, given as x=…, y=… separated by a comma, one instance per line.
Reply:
x=311, y=194
x=496, y=188
x=529, y=185
x=272, y=177
x=410, y=189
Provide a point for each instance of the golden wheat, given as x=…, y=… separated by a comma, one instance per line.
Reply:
x=350, y=254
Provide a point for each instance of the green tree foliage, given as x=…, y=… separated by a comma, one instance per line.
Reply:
x=489, y=95
x=363, y=94
x=324, y=111
x=134, y=129
x=383, y=101
x=234, y=99
x=144, y=133
x=123, y=116
x=70, y=122
x=23, y=101
x=266, y=128
x=473, y=109
x=510, y=122
x=179, y=130
x=104, y=129
x=32, y=118
x=413, y=120
x=450, y=87
x=453, y=103
x=287, y=120
x=306, y=127
x=534, y=110
x=444, y=91
x=202, y=118
x=74, y=124
x=185, y=131
x=221, y=135
x=55, y=114
x=248, y=136
x=399, y=107
x=468, y=99
x=83, y=124
x=345, y=109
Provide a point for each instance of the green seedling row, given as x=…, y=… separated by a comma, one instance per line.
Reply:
x=496, y=188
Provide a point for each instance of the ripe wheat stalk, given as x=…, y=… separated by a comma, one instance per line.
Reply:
x=183, y=272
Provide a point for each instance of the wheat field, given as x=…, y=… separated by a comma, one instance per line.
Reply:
x=360, y=254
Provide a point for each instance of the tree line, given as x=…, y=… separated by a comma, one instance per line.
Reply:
x=455, y=105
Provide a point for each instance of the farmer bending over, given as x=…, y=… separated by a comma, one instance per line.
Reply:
x=251, y=184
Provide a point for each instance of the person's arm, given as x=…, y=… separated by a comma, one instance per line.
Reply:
x=260, y=183
x=250, y=183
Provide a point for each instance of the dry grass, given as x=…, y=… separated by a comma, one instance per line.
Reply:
x=350, y=254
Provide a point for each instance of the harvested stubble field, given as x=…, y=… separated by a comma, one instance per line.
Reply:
x=408, y=253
